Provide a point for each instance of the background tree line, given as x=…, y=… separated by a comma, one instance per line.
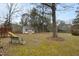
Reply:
x=42, y=17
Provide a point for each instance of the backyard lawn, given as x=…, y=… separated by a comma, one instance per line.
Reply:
x=39, y=44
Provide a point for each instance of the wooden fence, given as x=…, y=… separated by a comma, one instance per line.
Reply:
x=4, y=31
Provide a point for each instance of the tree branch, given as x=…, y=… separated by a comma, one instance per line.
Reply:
x=47, y=5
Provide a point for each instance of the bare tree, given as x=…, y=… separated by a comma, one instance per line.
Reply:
x=52, y=6
x=12, y=9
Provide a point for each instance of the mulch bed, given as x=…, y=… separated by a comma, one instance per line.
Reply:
x=56, y=39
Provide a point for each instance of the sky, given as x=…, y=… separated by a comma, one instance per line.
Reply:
x=65, y=15
x=25, y=7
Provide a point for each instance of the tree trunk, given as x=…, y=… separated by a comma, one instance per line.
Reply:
x=54, y=20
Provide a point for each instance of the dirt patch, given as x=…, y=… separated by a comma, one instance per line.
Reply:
x=56, y=39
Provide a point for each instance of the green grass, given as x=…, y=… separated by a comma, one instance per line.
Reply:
x=39, y=45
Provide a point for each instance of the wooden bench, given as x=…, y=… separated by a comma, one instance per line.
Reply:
x=15, y=39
